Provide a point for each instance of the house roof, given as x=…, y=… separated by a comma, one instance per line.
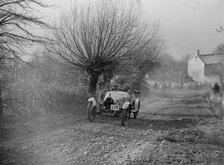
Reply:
x=211, y=58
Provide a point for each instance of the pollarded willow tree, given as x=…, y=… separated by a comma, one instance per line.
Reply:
x=219, y=50
x=17, y=17
x=133, y=72
x=98, y=37
x=147, y=61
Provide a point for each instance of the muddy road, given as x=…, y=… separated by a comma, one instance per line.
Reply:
x=174, y=127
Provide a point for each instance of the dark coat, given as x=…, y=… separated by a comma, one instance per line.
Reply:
x=216, y=88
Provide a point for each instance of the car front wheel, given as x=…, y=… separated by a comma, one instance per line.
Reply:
x=91, y=112
x=124, y=116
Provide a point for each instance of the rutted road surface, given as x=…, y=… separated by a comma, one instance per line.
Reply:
x=174, y=127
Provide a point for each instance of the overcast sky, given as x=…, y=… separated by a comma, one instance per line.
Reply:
x=185, y=25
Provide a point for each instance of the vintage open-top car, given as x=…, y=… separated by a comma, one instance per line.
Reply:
x=116, y=103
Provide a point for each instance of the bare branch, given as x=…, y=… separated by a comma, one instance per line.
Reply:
x=16, y=19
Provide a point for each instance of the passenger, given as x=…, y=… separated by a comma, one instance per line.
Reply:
x=115, y=87
x=127, y=88
x=132, y=98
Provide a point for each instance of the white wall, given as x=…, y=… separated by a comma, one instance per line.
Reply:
x=196, y=69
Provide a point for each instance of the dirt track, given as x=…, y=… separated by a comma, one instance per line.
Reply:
x=175, y=127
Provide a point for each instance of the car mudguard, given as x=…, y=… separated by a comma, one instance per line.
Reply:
x=93, y=100
x=126, y=104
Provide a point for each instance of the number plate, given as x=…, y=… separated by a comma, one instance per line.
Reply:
x=114, y=107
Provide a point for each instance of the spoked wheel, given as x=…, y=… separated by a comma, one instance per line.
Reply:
x=124, y=116
x=91, y=112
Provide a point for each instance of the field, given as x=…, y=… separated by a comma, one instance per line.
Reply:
x=173, y=127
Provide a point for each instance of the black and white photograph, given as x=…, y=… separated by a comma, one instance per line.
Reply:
x=111, y=82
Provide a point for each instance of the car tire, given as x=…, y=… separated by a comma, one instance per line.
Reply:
x=91, y=112
x=124, y=116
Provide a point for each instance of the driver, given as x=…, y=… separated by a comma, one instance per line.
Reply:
x=132, y=98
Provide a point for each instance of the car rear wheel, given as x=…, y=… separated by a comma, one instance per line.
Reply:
x=91, y=112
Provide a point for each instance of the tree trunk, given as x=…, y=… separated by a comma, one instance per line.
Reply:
x=107, y=78
x=92, y=85
x=1, y=101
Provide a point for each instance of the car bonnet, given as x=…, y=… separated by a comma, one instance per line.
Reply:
x=118, y=96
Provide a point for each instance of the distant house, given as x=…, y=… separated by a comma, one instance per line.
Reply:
x=205, y=67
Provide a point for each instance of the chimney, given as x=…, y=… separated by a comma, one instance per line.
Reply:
x=198, y=52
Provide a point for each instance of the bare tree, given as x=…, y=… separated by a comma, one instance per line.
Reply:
x=101, y=36
x=148, y=60
x=220, y=29
x=17, y=17
x=220, y=49
x=133, y=72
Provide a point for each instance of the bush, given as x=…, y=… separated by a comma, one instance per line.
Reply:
x=35, y=90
